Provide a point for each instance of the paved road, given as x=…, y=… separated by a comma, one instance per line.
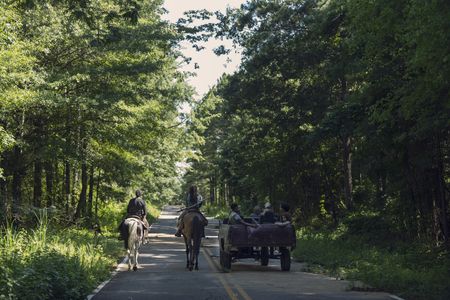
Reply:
x=164, y=276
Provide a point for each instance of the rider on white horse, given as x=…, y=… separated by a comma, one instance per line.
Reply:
x=136, y=209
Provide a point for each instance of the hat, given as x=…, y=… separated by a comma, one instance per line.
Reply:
x=267, y=205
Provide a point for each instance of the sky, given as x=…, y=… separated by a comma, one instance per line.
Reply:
x=210, y=66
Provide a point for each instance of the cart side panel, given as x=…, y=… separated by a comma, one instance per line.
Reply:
x=264, y=235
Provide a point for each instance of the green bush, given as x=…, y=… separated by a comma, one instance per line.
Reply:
x=112, y=213
x=215, y=211
x=54, y=266
x=413, y=270
x=370, y=227
x=52, y=263
x=48, y=262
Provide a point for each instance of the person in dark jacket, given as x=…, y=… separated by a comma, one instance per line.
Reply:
x=193, y=203
x=136, y=209
x=268, y=215
x=285, y=215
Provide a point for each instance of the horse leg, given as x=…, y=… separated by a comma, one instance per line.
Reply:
x=197, y=252
x=137, y=256
x=196, y=262
x=187, y=252
x=197, y=239
x=191, y=256
x=135, y=251
x=197, y=243
x=129, y=259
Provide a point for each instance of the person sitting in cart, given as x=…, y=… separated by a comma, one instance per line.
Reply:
x=268, y=216
x=235, y=217
x=256, y=213
x=285, y=215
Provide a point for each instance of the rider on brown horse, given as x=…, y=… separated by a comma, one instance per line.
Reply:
x=193, y=203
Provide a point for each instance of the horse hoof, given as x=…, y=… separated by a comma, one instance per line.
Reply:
x=135, y=268
x=190, y=268
x=196, y=268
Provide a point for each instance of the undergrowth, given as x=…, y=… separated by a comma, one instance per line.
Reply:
x=214, y=211
x=413, y=270
x=52, y=262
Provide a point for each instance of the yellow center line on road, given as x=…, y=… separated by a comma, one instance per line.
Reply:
x=213, y=264
x=242, y=292
x=221, y=279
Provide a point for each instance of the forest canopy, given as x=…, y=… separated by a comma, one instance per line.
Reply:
x=340, y=108
x=89, y=103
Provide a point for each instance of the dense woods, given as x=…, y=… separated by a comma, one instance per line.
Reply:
x=89, y=98
x=340, y=108
x=89, y=104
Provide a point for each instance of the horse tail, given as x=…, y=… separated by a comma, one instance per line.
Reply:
x=197, y=230
x=132, y=233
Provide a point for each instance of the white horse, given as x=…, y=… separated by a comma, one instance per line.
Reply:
x=135, y=237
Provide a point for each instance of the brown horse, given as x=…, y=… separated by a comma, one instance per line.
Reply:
x=194, y=224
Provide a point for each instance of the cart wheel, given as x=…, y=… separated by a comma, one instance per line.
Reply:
x=225, y=261
x=264, y=256
x=285, y=259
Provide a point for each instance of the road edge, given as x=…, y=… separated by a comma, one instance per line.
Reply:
x=113, y=273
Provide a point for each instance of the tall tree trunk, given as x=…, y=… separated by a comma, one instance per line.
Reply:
x=91, y=192
x=66, y=186
x=80, y=151
x=37, y=187
x=81, y=207
x=58, y=197
x=49, y=178
x=3, y=189
x=381, y=189
x=17, y=180
x=68, y=151
x=97, y=195
x=18, y=169
x=347, y=170
x=211, y=190
x=442, y=201
x=330, y=198
x=74, y=185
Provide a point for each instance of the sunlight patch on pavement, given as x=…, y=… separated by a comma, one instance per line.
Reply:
x=162, y=256
x=168, y=217
x=161, y=235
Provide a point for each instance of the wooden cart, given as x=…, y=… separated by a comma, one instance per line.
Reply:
x=268, y=241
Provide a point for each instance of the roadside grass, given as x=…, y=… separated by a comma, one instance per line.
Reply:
x=51, y=262
x=409, y=270
x=216, y=211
